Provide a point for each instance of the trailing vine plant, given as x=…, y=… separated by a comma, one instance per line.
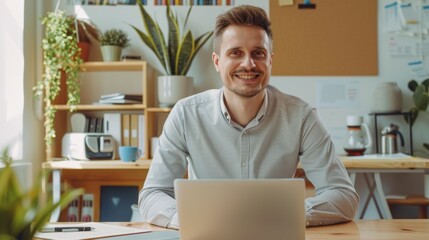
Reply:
x=61, y=58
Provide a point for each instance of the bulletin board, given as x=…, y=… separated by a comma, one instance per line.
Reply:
x=337, y=37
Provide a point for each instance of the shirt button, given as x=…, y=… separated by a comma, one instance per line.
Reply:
x=243, y=164
x=245, y=132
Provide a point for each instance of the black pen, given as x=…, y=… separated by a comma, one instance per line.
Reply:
x=66, y=229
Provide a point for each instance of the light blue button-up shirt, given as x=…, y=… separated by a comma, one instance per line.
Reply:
x=200, y=139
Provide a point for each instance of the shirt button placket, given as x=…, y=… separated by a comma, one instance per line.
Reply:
x=245, y=146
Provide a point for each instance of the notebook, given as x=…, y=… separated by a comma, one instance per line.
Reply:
x=269, y=209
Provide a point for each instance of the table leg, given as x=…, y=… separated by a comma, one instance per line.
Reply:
x=56, y=193
x=383, y=202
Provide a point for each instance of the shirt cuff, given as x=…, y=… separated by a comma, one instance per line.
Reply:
x=174, y=223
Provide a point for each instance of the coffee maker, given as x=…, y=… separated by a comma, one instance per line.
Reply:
x=389, y=139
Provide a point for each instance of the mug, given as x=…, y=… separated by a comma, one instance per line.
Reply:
x=129, y=153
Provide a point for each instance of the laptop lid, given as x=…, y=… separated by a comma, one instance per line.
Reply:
x=269, y=209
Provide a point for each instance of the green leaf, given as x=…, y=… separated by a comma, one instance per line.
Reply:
x=185, y=51
x=412, y=85
x=170, y=56
x=199, y=42
x=155, y=36
x=421, y=98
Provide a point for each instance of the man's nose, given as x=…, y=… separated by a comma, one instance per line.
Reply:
x=248, y=62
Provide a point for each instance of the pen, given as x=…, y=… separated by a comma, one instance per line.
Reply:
x=66, y=229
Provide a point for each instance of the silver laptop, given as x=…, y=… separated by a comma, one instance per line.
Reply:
x=269, y=209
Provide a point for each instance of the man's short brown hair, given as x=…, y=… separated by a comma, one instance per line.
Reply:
x=241, y=15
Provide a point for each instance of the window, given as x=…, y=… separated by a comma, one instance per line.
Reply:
x=11, y=76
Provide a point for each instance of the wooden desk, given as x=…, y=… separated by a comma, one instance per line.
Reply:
x=397, y=229
x=371, y=167
x=135, y=173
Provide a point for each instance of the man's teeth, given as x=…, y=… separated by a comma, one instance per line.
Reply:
x=246, y=76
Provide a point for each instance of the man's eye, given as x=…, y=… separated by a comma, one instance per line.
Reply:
x=235, y=53
x=259, y=54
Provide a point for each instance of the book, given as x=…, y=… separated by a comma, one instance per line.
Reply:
x=137, y=97
x=87, y=208
x=119, y=101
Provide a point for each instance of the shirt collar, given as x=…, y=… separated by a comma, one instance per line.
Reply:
x=259, y=116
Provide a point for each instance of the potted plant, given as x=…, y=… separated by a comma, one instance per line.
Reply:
x=61, y=63
x=23, y=212
x=175, y=54
x=112, y=43
x=421, y=101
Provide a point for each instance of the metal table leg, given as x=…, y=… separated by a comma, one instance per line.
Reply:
x=56, y=193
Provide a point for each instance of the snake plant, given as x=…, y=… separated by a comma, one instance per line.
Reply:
x=177, y=53
x=23, y=212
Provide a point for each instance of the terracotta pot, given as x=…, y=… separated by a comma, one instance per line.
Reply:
x=84, y=50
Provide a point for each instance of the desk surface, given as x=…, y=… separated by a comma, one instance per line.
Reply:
x=349, y=163
x=397, y=229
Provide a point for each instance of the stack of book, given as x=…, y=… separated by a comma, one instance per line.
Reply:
x=121, y=98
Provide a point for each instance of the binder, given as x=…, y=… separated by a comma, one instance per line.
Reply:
x=133, y=130
x=126, y=129
x=112, y=125
x=87, y=207
x=141, y=133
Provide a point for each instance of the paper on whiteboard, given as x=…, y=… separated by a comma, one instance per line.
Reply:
x=392, y=20
x=418, y=70
x=403, y=46
x=408, y=14
x=338, y=93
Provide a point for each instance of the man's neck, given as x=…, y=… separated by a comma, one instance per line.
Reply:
x=243, y=109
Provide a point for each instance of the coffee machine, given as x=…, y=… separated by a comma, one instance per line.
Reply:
x=389, y=139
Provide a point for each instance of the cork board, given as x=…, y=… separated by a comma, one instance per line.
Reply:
x=337, y=37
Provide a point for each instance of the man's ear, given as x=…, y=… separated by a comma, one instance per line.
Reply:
x=215, y=59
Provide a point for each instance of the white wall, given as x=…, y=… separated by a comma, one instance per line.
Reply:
x=205, y=77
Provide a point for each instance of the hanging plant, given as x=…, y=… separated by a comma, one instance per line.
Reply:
x=60, y=59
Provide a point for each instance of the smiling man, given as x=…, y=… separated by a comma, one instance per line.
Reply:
x=246, y=130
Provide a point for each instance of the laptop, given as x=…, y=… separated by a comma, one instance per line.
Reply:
x=268, y=209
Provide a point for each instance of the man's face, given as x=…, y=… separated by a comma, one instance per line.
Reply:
x=244, y=59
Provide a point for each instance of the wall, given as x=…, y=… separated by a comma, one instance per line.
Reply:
x=205, y=76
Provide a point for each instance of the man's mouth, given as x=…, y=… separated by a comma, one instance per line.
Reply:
x=247, y=76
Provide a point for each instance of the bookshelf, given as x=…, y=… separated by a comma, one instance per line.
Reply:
x=99, y=78
x=94, y=85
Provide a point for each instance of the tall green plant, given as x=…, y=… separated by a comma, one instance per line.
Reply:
x=61, y=56
x=175, y=57
x=22, y=213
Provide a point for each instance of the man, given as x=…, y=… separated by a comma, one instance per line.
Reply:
x=247, y=129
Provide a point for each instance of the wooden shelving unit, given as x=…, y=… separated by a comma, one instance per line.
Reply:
x=94, y=175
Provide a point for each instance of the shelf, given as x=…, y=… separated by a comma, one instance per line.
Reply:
x=102, y=107
x=113, y=66
x=97, y=164
x=157, y=109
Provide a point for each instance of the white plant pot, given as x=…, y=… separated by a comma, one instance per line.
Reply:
x=111, y=53
x=173, y=88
